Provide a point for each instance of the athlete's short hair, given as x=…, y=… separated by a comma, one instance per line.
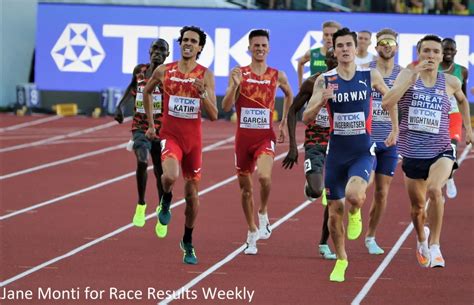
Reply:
x=386, y=31
x=449, y=40
x=430, y=37
x=343, y=32
x=259, y=32
x=365, y=31
x=332, y=24
x=199, y=31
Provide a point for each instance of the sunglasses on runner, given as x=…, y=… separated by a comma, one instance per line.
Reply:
x=387, y=42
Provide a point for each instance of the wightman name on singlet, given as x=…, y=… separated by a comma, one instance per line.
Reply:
x=424, y=113
x=184, y=107
x=255, y=118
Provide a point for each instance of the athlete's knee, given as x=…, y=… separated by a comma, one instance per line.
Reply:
x=417, y=210
x=246, y=193
x=142, y=154
x=265, y=180
x=142, y=166
x=169, y=178
x=434, y=192
x=315, y=192
x=355, y=198
x=380, y=193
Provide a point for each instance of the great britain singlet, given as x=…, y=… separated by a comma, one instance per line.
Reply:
x=381, y=123
x=256, y=103
x=182, y=103
x=424, y=126
x=140, y=121
x=350, y=114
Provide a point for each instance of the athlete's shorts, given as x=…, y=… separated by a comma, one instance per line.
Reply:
x=246, y=155
x=455, y=126
x=338, y=174
x=386, y=159
x=314, y=157
x=140, y=140
x=415, y=168
x=190, y=159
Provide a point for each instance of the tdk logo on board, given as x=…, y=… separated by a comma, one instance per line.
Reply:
x=77, y=49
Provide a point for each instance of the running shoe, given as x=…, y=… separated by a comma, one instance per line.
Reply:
x=354, y=225
x=252, y=238
x=189, y=255
x=324, y=200
x=422, y=250
x=437, y=260
x=451, y=190
x=372, y=246
x=160, y=229
x=264, y=230
x=164, y=213
x=326, y=253
x=339, y=271
x=139, y=217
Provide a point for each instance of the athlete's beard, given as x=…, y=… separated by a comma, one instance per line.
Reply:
x=387, y=57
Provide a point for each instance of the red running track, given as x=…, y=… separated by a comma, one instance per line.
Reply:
x=287, y=269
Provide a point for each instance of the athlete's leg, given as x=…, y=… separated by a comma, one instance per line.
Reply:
x=336, y=227
x=315, y=184
x=157, y=168
x=170, y=173
x=438, y=175
x=379, y=203
x=264, y=172
x=192, y=206
x=141, y=154
x=246, y=191
x=416, y=189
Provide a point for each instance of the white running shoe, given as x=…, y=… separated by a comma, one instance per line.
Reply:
x=422, y=251
x=451, y=190
x=264, y=229
x=252, y=238
x=437, y=259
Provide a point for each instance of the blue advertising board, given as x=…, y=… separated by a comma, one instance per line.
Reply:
x=92, y=47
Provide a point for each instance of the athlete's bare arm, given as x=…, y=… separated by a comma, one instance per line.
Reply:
x=232, y=92
x=300, y=99
x=318, y=99
x=454, y=87
x=286, y=88
x=465, y=75
x=405, y=79
x=301, y=62
x=379, y=84
x=127, y=96
x=156, y=78
x=207, y=92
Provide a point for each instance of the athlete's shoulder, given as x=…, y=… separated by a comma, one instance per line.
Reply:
x=330, y=72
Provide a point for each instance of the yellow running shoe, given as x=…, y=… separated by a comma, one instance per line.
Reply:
x=139, y=217
x=324, y=200
x=160, y=229
x=339, y=271
x=354, y=225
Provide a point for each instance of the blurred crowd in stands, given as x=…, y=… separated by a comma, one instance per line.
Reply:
x=452, y=7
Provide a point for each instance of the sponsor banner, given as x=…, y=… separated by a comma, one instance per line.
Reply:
x=93, y=47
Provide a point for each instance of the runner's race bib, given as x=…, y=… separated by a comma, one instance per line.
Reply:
x=156, y=101
x=184, y=107
x=322, y=118
x=379, y=114
x=255, y=118
x=349, y=124
x=424, y=120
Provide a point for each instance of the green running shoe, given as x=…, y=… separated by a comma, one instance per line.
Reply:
x=339, y=271
x=189, y=256
x=324, y=200
x=354, y=225
x=160, y=229
x=164, y=213
x=139, y=217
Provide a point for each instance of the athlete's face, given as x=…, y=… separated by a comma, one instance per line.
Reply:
x=190, y=45
x=331, y=61
x=449, y=51
x=386, y=46
x=363, y=41
x=345, y=49
x=327, y=36
x=158, y=52
x=259, y=48
x=432, y=53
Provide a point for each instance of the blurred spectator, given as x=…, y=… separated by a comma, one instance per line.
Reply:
x=456, y=7
x=279, y=4
x=381, y=6
x=414, y=6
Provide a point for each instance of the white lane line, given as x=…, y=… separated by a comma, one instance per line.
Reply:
x=31, y=123
x=60, y=137
x=176, y=294
x=62, y=161
x=375, y=276
x=96, y=186
x=118, y=231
